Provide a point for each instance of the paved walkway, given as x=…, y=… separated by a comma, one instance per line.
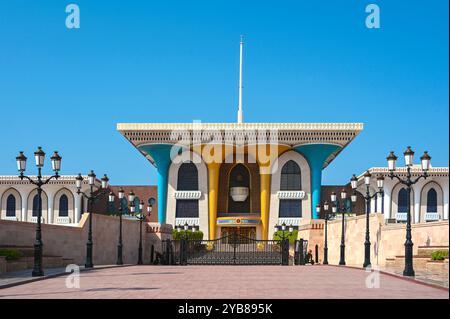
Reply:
x=24, y=276
x=231, y=282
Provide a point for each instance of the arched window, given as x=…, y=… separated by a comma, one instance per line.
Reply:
x=290, y=177
x=187, y=181
x=63, y=206
x=432, y=201
x=290, y=181
x=187, y=177
x=35, y=205
x=402, y=201
x=11, y=206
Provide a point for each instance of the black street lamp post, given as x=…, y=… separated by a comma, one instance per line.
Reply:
x=285, y=242
x=327, y=216
x=91, y=197
x=39, y=156
x=408, y=182
x=120, y=244
x=368, y=197
x=342, y=209
x=141, y=216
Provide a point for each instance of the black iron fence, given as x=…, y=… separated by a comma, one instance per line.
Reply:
x=233, y=249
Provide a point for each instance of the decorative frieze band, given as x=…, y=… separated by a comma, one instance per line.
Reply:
x=291, y=194
x=189, y=221
x=187, y=194
x=289, y=221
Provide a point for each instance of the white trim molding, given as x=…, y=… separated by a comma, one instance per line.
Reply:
x=63, y=220
x=189, y=221
x=431, y=217
x=401, y=217
x=291, y=194
x=34, y=219
x=187, y=194
x=289, y=221
x=13, y=218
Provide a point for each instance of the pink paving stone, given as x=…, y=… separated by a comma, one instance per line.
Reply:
x=228, y=282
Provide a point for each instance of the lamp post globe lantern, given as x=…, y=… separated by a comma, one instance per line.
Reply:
x=21, y=162
x=354, y=182
x=318, y=209
x=343, y=193
x=79, y=182
x=111, y=197
x=91, y=178
x=39, y=157
x=333, y=197
x=131, y=197
x=392, y=161
x=56, y=162
x=380, y=182
x=105, y=181
x=409, y=156
x=367, y=178
x=354, y=197
x=425, y=160
x=121, y=193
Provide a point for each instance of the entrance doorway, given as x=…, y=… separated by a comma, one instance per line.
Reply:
x=240, y=232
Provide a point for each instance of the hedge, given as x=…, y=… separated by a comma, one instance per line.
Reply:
x=177, y=235
x=278, y=235
x=11, y=254
x=439, y=255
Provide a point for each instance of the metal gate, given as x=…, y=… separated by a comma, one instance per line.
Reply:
x=300, y=251
x=233, y=249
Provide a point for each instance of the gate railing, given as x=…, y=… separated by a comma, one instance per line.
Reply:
x=300, y=251
x=233, y=249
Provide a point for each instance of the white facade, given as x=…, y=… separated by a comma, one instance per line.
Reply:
x=422, y=207
x=22, y=192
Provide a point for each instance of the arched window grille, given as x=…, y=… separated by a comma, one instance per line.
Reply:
x=11, y=206
x=35, y=205
x=187, y=181
x=402, y=201
x=432, y=201
x=63, y=206
x=290, y=181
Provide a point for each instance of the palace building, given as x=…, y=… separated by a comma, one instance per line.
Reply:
x=246, y=176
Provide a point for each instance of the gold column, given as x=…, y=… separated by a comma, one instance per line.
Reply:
x=213, y=179
x=265, y=204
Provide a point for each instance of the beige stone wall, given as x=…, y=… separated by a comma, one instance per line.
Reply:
x=2, y=264
x=70, y=242
x=387, y=240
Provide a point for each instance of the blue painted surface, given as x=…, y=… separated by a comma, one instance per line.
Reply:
x=316, y=155
x=161, y=155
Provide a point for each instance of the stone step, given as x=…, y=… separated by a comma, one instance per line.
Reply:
x=428, y=250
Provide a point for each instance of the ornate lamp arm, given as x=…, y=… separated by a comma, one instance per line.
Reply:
x=424, y=176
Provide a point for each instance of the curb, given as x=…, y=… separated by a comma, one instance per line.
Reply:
x=34, y=279
x=396, y=276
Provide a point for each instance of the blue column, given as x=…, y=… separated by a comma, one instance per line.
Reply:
x=160, y=153
x=316, y=155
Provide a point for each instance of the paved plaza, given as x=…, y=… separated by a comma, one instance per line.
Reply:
x=229, y=282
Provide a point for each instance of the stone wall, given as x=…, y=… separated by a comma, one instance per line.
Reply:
x=70, y=241
x=387, y=240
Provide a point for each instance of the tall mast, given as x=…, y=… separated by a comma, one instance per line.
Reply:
x=240, y=112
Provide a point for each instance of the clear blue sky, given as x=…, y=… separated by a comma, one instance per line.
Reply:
x=176, y=61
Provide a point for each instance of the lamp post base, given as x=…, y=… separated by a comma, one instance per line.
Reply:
x=119, y=255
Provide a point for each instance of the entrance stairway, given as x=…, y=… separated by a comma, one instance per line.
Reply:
x=422, y=261
x=26, y=261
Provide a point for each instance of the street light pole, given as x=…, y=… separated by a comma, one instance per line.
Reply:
x=91, y=200
x=408, y=182
x=327, y=216
x=338, y=209
x=120, y=244
x=141, y=216
x=21, y=160
x=368, y=197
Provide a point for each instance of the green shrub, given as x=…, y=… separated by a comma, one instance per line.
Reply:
x=439, y=255
x=278, y=235
x=177, y=235
x=11, y=254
